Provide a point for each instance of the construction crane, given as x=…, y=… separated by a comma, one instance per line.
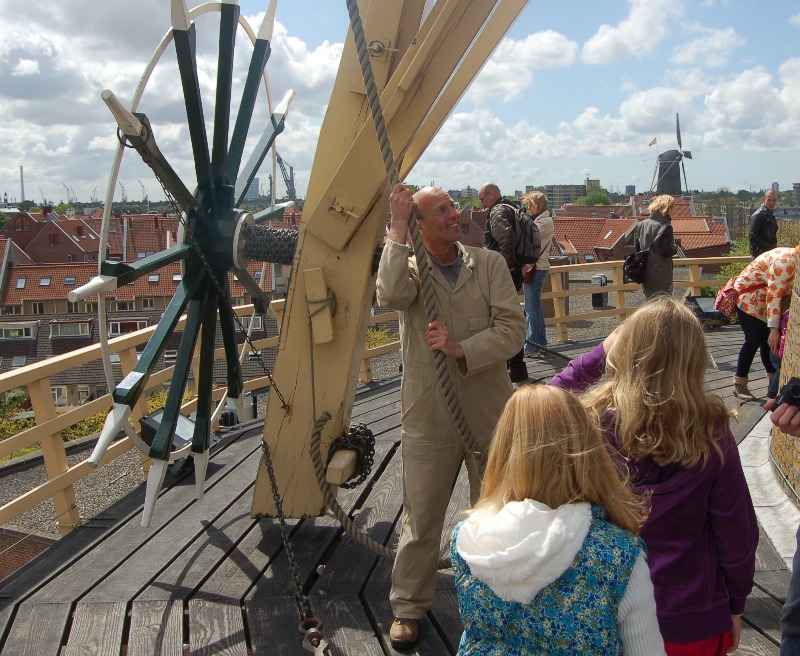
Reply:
x=70, y=194
x=124, y=196
x=288, y=177
x=44, y=200
x=145, y=199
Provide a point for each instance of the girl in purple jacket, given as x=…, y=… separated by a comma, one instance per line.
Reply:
x=675, y=441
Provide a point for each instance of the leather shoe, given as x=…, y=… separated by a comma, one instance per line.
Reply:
x=404, y=633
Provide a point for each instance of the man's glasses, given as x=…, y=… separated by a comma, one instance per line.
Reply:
x=443, y=210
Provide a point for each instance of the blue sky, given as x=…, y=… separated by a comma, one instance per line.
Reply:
x=577, y=88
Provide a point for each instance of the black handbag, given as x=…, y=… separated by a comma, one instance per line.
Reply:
x=634, y=266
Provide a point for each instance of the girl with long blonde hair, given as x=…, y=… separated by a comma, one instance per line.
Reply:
x=673, y=438
x=547, y=561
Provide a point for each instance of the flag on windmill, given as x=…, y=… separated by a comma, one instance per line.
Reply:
x=653, y=142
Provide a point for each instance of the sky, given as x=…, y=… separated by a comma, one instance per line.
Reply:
x=576, y=89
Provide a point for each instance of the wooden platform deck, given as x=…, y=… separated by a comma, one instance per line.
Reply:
x=207, y=579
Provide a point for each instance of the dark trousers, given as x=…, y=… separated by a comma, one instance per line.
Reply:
x=790, y=622
x=756, y=335
x=517, y=369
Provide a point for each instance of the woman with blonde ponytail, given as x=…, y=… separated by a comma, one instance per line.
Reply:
x=673, y=439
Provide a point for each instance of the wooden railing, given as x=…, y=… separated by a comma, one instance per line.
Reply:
x=49, y=423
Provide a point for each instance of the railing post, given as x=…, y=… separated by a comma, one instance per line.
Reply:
x=559, y=307
x=695, y=276
x=619, y=280
x=55, y=456
x=127, y=360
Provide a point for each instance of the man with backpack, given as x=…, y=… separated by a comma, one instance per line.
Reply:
x=505, y=234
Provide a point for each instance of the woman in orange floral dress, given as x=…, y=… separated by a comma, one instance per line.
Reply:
x=761, y=286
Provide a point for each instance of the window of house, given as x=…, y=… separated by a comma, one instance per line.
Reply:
x=112, y=229
x=21, y=282
x=37, y=307
x=59, y=395
x=18, y=361
x=71, y=258
x=52, y=240
x=45, y=281
x=72, y=308
x=170, y=355
x=258, y=323
x=124, y=327
x=176, y=277
x=124, y=306
x=254, y=354
x=113, y=358
x=101, y=391
x=278, y=269
x=90, y=307
x=73, y=329
x=19, y=330
x=148, y=303
x=11, y=309
x=84, y=392
x=257, y=275
x=69, y=280
x=141, y=255
x=153, y=277
x=588, y=258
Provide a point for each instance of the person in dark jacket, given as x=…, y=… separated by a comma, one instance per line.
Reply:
x=500, y=235
x=763, y=226
x=656, y=236
x=675, y=441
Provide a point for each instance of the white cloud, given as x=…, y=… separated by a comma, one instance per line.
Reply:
x=509, y=72
x=795, y=20
x=647, y=24
x=711, y=48
x=25, y=67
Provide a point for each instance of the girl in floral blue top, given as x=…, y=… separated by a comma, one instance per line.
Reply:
x=547, y=561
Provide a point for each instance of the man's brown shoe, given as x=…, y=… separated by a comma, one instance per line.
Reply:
x=404, y=633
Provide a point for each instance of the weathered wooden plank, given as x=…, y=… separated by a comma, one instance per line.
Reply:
x=273, y=626
x=96, y=629
x=775, y=583
x=376, y=603
x=156, y=628
x=168, y=542
x=38, y=630
x=445, y=612
x=767, y=558
x=349, y=568
x=216, y=628
x=752, y=643
x=209, y=550
x=311, y=542
x=129, y=537
x=764, y=612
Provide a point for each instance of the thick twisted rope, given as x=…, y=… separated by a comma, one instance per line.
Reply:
x=350, y=528
x=443, y=375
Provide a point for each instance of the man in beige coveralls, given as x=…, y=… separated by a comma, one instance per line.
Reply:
x=480, y=326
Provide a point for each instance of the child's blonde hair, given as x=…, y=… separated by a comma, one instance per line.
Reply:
x=656, y=387
x=548, y=448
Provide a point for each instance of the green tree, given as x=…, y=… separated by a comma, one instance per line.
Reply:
x=595, y=197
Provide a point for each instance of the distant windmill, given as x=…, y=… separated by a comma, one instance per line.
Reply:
x=667, y=176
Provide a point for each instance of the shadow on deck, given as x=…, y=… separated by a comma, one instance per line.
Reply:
x=207, y=579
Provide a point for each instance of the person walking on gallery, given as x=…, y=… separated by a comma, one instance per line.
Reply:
x=655, y=235
x=480, y=326
x=763, y=233
x=762, y=285
x=548, y=561
x=500, y=235
x=535, y=275
x=674, y=439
